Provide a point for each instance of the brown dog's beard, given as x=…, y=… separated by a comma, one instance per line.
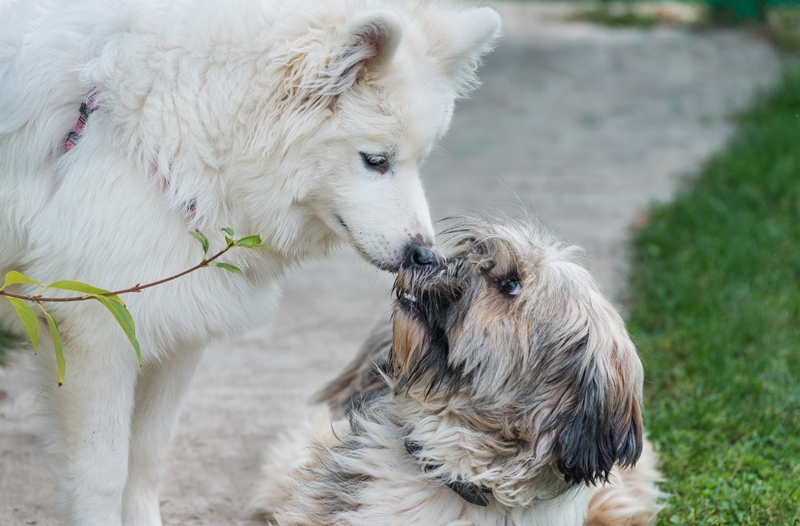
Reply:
x=427, y=307
x=419, y=360
x=409, y=342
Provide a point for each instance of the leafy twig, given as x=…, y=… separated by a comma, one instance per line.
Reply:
x=109, y=299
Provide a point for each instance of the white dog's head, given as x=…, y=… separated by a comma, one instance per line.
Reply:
x=366, y=94
x=304, y=120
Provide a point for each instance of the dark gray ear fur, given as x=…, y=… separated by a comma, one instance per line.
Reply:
x=599, y=430
x=371, y=43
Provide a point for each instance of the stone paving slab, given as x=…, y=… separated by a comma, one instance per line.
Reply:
x=583, y=125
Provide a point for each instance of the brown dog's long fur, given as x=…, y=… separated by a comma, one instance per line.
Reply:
x=506, y=372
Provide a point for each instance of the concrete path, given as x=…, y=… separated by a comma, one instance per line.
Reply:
x=585, y=125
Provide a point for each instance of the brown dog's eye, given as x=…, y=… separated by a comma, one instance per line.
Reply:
x=510, y=287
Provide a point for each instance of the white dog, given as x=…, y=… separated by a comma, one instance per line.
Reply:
x=126, y=124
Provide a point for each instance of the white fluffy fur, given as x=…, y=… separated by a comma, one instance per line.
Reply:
x=398, y=493
x=631, y=496
x=256, y=109
x=402, y=495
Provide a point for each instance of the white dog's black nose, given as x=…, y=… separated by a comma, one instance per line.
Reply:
x=419, y=256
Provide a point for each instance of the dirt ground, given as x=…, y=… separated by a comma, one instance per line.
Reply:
x=581, y=124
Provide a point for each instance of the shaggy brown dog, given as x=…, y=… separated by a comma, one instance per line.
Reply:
x=506, y=392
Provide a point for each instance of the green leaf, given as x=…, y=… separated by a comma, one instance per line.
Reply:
x=228, y=231
x=78, y=286
x=201, y=238
x=28, y=319
x=16, y=277
x=228, y=267
x=249, y=241
x=56, y=345
x=125, y=320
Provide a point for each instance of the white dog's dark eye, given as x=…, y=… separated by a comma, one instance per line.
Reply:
x=376, y=162
x=510, y=287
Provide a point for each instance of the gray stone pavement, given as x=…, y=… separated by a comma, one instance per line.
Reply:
x=581, y=124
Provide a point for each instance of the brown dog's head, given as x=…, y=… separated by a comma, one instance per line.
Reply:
x=511, y=369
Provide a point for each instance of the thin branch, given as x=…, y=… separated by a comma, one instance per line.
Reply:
x=135, y=288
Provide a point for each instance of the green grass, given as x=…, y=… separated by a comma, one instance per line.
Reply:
x=604, y=15
x=715, y=312
x=783, y=28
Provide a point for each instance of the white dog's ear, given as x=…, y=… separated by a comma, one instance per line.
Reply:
x=371, y=41
x=458, y=40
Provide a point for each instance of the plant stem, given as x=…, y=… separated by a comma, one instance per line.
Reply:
x=135, y=288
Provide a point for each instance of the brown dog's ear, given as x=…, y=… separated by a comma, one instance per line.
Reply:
x=371, y=42
x=603, y=426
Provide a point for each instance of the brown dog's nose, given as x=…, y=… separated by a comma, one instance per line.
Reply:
x=419, y=256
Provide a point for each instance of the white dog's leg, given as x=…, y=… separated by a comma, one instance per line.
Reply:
x=159, y=394
x=87, y=427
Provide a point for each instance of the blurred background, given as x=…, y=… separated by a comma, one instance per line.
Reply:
x=663, y=137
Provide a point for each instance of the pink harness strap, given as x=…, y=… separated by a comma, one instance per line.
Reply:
x=88, y=106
